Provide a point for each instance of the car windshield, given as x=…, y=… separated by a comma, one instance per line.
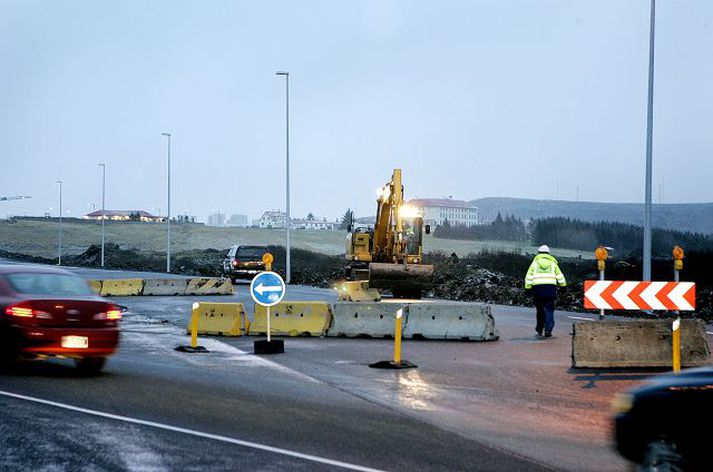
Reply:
x=251, y=252
x=48, y=284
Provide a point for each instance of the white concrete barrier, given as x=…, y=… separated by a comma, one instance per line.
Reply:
x=450, y=320
x=373, y=319
x=164, y=286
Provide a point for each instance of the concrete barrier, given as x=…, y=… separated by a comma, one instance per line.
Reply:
x=121, y=287
x=209, y=286
x=164, y=286
x=95, y=286
x=372, y=319
x=293, y=319
x=450, y=320
x=640, y=343
x=221, y=319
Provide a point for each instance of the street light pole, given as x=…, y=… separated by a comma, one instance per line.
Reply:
x=649, y=144
x=59, y=245
x=287, y=170
x=168, y=216
x=103, y=166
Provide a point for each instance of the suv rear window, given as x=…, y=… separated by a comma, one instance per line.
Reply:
x=48, y=284
x=251, y=252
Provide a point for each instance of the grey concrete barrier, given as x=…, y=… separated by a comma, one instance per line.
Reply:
x=165, y=286
x=373, y=319
x=640, y=343
x=450, y=320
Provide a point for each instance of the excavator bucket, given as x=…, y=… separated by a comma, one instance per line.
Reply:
x=404, y=280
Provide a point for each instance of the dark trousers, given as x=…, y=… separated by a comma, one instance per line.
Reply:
x=544, y=297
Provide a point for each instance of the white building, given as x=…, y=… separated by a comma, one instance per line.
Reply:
x=436, y=211
x=312, y=223
x=272, y=219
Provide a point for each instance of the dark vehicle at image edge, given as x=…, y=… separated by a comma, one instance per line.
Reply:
x=663, y=424
x=244, y=262
x=50, y=312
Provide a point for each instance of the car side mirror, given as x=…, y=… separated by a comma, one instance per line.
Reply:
x=349, y=229
x=428, y=229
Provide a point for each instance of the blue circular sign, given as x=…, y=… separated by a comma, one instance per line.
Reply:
x=267, y=288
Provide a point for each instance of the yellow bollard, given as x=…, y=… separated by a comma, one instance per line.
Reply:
x=194, y=347
x=677, y=345
x=194, y=325
x=397, y=336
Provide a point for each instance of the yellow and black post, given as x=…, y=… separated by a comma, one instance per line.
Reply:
x=194, y=347
x=676, y=328
x=397, y=362
x=601, y=254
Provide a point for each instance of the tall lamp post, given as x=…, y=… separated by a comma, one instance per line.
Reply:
x=649, y=144
x=59, y=243
x=103, y=166
x=287, y=169
x=168, y=215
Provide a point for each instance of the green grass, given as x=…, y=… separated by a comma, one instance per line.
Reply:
x=38, y=237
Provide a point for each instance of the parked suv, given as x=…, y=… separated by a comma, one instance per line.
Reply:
x=244, y=262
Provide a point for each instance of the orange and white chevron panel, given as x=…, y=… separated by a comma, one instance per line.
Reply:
x=623, y=295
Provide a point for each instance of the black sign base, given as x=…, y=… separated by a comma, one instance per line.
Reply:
x=191, y=349
x=274, y=346
x=393, y=365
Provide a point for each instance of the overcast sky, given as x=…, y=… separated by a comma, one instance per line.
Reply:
x=472, y=99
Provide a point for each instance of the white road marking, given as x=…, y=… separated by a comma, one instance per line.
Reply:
x=580, y=318
x=216, y=437
x=708, y=332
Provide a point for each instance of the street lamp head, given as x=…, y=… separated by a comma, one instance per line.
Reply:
x=166, y=134
x=101, y=165
x=59, y=182
x=279, y=72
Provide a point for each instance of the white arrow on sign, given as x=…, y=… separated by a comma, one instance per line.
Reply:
x=595, y=292
x=269, y=288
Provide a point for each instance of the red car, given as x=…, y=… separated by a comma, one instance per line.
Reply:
x=46, y=311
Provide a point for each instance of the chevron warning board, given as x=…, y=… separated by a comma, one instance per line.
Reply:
x=624, y=295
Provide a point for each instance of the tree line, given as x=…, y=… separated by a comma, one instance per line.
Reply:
x=508, y=228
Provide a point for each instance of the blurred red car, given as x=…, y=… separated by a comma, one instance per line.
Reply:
x=46, y=311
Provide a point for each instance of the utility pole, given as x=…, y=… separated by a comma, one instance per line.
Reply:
x=649, y=145
x=103, y=166
x=287, y=170
x=168, y=216
x=59, y=244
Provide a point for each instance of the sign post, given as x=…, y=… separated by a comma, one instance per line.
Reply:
x=601, y=254
x=193, y=347
x=676, y=328
x=268, y=289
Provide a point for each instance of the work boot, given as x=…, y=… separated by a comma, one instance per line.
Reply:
x=548, y=334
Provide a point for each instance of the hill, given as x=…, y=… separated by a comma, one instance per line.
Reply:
x=694, y=217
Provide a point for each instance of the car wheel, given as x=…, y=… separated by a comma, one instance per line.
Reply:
x=661, y=455
x=90, y=365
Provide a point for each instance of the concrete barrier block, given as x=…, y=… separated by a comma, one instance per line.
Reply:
x=640, y=343
x=209, y=286
x=293, y=319
x=95, y=286
x=165, y=286
x=450, y=320
x=121, y=287
x=221, y=319
x=373, y=319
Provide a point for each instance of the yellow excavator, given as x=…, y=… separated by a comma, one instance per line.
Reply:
x=389, y=255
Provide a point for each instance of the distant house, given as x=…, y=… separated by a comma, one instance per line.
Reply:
x=436, y=211
x=273, y=220
x=216, y=219
x=123, y=215
x=312, y=223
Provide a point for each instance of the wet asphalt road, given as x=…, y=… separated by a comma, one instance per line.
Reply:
x=513, y=404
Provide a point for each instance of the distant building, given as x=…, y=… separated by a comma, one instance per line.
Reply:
x=216, y=219
x=272, y=219
x=123, y=215
x=237, y=220
x=312, y=223
x=436, y=211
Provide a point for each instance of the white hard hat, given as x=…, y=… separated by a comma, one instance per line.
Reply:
x=544, y=248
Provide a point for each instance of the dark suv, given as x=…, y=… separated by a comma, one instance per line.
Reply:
x=244, y=262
